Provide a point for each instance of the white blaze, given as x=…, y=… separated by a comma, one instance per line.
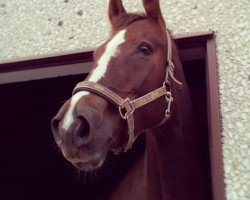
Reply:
x=111, y=50
x=68, y=118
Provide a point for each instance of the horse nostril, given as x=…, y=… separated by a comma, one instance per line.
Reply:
x=84, y=127
x=82, y=132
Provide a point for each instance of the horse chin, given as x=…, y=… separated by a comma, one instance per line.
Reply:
x=94, y=163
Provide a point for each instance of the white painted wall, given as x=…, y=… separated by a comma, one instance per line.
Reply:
x=36, y=27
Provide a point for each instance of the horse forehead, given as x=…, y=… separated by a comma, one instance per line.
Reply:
x=111, y=50
x=145, y=29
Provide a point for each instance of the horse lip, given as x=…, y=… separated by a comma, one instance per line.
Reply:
x=74, y=159
x=90, y=165
x=93, y=163
x=79, y=160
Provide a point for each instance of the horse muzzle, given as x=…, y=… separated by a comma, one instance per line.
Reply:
x=81, y=143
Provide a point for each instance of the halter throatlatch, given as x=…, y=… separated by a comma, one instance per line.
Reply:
x=127, y=106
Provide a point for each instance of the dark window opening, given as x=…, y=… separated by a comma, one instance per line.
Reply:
x=31, y=163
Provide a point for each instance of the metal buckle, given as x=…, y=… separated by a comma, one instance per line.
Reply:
x=169, y=99
x=130, y=108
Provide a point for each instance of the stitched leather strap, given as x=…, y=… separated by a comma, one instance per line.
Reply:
x=116, y=99
x=100, y=90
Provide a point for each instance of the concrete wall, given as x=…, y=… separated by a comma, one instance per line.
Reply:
x=36, y=27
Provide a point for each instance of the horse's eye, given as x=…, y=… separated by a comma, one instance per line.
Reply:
x=145, y=49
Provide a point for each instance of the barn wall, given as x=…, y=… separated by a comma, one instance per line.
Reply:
x=36, y=27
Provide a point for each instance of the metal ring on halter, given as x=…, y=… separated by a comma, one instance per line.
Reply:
x=124, y=116
x=169, y=97
x=130, y=108
x=166, y=84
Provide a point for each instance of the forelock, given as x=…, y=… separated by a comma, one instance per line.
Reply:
x=129, y=18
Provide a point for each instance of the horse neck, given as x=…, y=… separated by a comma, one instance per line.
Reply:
x=166, y=153
x=165, y=158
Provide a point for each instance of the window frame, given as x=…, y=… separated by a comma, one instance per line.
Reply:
x=193, y=46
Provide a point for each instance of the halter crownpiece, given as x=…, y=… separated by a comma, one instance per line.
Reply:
x=127, y=106
x=170, y=68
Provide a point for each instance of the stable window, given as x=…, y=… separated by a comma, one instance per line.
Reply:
x=31, y=93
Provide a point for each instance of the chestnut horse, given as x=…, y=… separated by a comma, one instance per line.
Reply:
x=137, y=71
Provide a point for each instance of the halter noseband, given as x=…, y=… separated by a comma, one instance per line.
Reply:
x=131, y=105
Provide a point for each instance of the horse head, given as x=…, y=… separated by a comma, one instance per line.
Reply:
x=131, y=64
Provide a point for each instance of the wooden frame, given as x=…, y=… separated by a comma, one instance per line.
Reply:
x=193, y=46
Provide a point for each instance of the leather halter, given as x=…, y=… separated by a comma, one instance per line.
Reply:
x=131, y=105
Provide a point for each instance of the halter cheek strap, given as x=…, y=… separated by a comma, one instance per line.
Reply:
x=127, y=106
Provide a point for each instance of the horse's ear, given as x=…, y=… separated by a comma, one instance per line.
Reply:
x=116, y=9
x=153, y=11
